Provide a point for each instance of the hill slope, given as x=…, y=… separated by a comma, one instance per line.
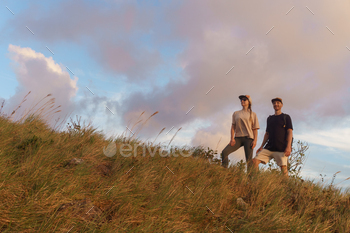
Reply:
x=62, y=182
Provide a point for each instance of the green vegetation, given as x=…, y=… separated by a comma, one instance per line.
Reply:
x=54, y=181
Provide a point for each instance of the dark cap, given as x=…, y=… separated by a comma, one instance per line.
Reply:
x=245, y=96
x=277, y=99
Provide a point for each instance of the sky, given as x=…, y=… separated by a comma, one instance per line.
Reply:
x=108, y=61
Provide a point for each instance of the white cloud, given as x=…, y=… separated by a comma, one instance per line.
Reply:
x=41, y=76
x=22, y=55
x=337, y=138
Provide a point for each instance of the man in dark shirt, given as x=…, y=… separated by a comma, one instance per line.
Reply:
x=278, y=135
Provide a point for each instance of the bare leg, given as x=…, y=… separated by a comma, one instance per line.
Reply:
x=256, y=163
x=254, y=168
x=284, y=170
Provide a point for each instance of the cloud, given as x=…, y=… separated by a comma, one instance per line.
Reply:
x=112, y=33
x=41, y=76
x=299, y=60
x=336, y=138
x=127, y=59
x=102, y=111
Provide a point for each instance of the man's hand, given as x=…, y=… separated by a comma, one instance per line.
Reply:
x=259, y=150
x=253, y=144
x=287, y=151
x=232, y=142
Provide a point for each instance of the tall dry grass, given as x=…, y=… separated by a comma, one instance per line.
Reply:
x=42, y=190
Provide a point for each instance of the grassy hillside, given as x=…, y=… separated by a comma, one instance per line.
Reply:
x=44, y=187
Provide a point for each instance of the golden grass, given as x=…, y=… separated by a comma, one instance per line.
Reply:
x=40, y=191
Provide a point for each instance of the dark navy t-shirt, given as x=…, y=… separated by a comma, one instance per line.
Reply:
x=277, y=128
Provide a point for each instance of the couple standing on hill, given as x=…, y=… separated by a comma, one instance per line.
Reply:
x=244, y=132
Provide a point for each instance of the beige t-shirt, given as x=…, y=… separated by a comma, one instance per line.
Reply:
x=243, y=125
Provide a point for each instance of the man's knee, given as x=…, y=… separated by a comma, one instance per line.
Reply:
x=256, y=162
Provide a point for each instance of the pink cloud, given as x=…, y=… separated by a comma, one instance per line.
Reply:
x=109, y=32
x=299, y=60
x=307, y=68
x=41, y=76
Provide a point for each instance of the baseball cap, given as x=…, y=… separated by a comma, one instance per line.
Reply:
x=277, y=99
x=246, y=96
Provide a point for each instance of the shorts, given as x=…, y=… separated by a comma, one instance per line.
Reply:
x=265, y=156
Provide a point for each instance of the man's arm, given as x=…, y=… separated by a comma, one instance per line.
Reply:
x=266, y=137
x=288, y=149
